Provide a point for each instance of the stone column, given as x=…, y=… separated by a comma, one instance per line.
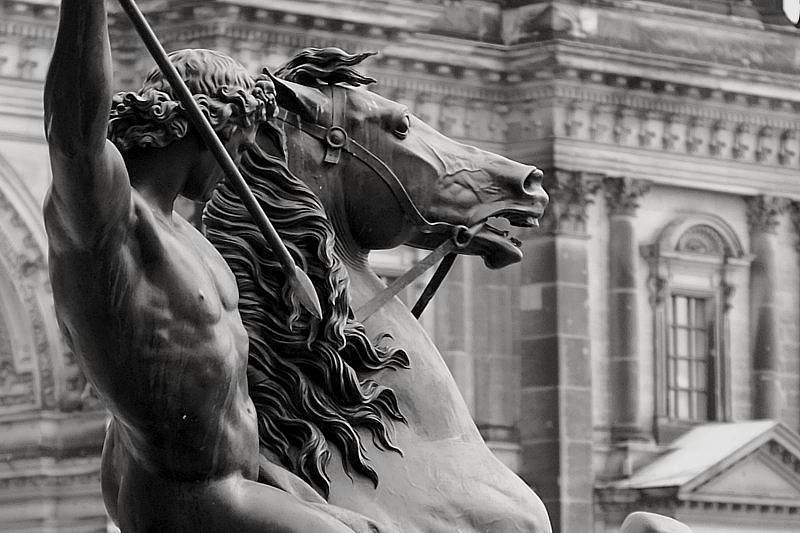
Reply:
x=622, y=198
x=762, y=217
x=556, y=415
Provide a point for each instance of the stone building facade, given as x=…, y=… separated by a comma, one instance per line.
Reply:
x=645, y=354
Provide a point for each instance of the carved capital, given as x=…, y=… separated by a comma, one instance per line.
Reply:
x=794, y=216
x=763, y=213
x=570, y=195
x=623, y=194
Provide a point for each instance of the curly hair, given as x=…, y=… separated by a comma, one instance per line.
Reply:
x=307, y=377
x=225, y=91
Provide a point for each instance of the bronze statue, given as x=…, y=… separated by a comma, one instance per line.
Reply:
x=381, y=428
x=146, y=303
x=341, y=171
x=238, y=408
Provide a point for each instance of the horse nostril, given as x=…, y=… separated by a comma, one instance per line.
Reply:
x=533, y=182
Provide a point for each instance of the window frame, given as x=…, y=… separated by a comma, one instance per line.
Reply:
x=676, y=270
x=713, y=368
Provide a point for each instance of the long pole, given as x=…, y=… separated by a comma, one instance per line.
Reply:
x=300, y=282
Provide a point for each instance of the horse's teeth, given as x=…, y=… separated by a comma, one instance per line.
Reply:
x=532, y=222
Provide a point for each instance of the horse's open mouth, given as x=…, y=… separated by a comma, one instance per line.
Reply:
x=497, y=241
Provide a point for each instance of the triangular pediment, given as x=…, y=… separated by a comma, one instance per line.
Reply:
x=762, y=475
x=750, y=463
x=766, y=471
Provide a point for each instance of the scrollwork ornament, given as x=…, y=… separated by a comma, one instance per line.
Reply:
x=646, y=133
x=621, y=130
x=785, y=151
x=658, y=288
x=763, y=150
x=740, y=147
x=716, y=144
x=693, y=135
x=596, y=126
x=728, y=292
x=572, y=124
x=670, y=138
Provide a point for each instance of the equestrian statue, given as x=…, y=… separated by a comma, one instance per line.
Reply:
x=258, y=383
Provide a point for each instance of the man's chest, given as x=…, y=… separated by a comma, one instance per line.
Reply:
x=185, y=273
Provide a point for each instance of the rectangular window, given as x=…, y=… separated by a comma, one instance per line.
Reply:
x=690, y=369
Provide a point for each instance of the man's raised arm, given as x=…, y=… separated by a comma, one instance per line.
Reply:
x=91, y=191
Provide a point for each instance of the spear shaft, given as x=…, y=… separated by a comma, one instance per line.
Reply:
x=302, y=285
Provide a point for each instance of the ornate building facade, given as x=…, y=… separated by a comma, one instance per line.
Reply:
x=645, y=354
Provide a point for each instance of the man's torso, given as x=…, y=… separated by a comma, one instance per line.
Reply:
x=154, y=320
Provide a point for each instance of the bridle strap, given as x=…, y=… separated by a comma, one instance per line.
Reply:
x=379, y=300
x=445, y=252
x=335, y=140
x=433, y=285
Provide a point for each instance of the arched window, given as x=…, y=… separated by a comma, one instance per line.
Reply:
x=692, y=267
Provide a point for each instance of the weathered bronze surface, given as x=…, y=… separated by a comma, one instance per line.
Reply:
x=329, y=411
x=343, y=171
x=146, y=303
x=233, y=407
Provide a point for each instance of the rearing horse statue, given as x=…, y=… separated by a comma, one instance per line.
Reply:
x=360, y=413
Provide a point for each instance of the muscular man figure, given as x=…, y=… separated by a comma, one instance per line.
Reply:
x=147, y=304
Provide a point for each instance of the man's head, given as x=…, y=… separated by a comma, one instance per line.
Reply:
x=229, y=96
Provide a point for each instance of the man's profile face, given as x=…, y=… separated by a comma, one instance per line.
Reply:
x=207, y=171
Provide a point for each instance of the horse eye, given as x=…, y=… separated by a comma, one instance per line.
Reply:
x=401, y=130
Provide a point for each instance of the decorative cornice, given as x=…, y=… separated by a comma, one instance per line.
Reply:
x=623, y=194
x=571, y=193
x=763, y=213
x=764, y=134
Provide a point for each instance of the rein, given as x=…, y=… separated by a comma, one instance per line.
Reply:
x=336, y=140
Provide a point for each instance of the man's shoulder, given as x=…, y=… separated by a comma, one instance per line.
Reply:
x=66, y=238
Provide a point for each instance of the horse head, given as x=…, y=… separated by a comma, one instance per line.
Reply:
x=387, y=175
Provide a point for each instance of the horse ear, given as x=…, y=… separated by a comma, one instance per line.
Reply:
x=289, y=99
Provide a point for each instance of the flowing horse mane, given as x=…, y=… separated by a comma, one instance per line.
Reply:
x=309, y=379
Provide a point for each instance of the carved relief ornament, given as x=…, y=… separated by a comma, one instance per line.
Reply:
x=571, y=193
x=623, y=194
x=763, y=213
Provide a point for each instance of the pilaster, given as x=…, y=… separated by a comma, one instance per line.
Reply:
x=622, y=198
x=763, y=217
x=556, y=422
